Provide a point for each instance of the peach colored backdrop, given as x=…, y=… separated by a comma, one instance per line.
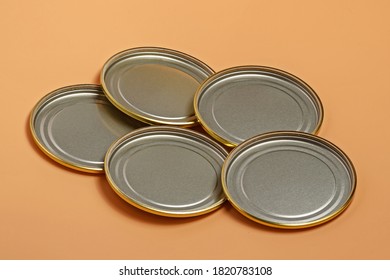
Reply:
x=340, y=48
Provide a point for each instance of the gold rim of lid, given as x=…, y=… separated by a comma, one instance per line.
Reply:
x=185, y=137
x=313, y=140
x=59, y=125
x=35, y=111
x=190, y=62
x=254, y=69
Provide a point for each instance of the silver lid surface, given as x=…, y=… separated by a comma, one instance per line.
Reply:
x=289, y=179
x=75, y=125
x=154, y=85
x=168, y=171
x=238, y=103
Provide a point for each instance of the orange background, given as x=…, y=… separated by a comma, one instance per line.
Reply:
x=340, y=48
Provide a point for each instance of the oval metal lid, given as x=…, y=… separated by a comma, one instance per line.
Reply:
x=289, y=179
x=75, y=125
x=238, y=103
x=168, y=171
x=154, y=85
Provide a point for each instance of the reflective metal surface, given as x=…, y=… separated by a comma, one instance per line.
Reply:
x=238, y=103
x=289, y=179
x=154, y=85
x=167, y=171
x=75, y=126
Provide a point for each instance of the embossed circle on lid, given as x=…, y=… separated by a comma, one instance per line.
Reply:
x=241, y=102
x=154, y=85
x=169, y=171
x=289, y=179
x=75, y=125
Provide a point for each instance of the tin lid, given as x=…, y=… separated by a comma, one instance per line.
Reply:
x=289, y=179
x=241, y=102
x=154, y=85
x=167, y=171
x=75, y=125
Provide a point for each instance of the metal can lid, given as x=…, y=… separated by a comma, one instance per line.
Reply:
x=75, y=125
x=154, y=85
x=289, y=179
x=168, y=171
x=241, y=102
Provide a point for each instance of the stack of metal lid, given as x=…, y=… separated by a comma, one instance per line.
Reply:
x=141, y=128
